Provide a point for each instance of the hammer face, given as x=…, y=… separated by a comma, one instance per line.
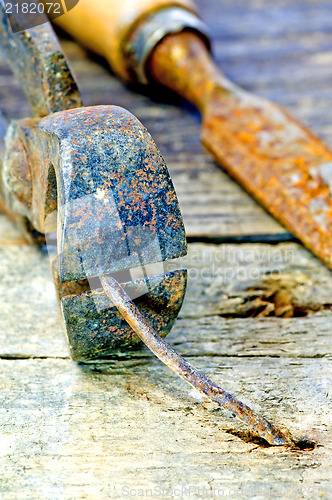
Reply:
x=117, y=206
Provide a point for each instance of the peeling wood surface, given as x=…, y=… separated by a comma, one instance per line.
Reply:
x=257, y=318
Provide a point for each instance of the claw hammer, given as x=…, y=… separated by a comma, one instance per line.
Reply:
x=96, y=177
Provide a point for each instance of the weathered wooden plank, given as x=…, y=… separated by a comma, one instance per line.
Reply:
x=70, y=431
x=254, y=280
x=132, y=421
x=225, y=281
x=228, y=280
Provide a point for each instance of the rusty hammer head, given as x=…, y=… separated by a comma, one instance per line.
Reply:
x=95, y=176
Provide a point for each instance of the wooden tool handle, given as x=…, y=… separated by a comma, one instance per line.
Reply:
x=183, y=63
x=105, y=25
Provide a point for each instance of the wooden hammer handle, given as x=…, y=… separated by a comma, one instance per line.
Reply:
x=105, y=25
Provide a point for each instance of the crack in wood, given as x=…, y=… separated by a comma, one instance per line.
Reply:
x=271, y=239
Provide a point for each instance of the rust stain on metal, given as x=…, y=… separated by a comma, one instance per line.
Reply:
x=99, y=175
x=106, y=222
x=274, y=157
x=258, y=425
x=38, y=62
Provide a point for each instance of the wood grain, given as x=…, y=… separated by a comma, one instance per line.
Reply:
x=81, y=431
x=71, y=431
x=228, y=290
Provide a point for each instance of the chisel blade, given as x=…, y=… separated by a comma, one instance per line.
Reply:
x=278, y=161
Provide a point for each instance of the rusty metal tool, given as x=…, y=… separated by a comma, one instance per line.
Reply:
x=96, y=176
x=275, y=158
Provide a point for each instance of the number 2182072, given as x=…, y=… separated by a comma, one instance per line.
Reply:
x=33, y=8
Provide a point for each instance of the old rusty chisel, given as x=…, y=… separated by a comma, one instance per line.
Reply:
x=275, y=158
x=96, y=176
